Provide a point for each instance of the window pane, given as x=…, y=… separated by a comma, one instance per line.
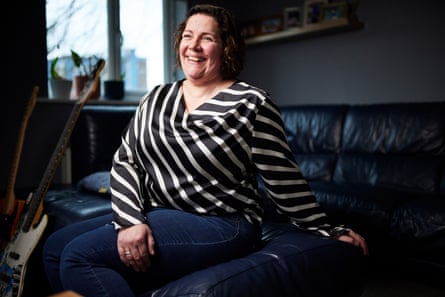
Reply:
x=142, y=46
x=82, y=26
x=69, y=27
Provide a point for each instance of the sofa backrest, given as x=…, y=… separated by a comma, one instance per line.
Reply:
x=384, y=145
x=314, y=135
x=96, y=137
x=393, y=146
x=399, y=145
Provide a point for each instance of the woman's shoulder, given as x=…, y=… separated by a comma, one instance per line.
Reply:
x=243, y=86
x=253, y=93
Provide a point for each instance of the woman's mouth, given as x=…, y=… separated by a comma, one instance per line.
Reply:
x=195, y=59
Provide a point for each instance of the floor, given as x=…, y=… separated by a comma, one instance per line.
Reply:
x=399, y=287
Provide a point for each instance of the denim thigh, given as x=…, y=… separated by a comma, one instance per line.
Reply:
x=185, y=242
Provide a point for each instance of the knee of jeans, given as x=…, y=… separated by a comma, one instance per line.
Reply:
x=51, y=249
x=73, y=253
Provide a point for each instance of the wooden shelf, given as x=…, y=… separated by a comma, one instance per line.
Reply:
x=326, y=27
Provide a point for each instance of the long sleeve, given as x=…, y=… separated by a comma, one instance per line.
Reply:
x=285, y=185
x=126, y=175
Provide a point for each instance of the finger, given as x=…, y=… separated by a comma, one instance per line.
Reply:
x=141, y=261
x=364, y=246
x=135, y=263
x=144, y=256
x=123, y=253
x=355, y=239
x=360, y=241
x=151, y=244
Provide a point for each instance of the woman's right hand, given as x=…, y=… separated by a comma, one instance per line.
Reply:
x=136, y=245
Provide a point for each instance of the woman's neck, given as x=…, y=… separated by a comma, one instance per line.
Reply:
x=196, y=94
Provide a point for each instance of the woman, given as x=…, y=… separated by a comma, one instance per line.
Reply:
x=184, y=180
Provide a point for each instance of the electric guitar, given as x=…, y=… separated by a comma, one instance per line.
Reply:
x=33, y=221
x=10, y=207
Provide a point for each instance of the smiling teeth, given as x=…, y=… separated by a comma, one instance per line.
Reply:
x=195, y=59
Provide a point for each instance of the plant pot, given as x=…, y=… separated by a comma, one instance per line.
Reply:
x=60, y=88
x=114, y=89
x=80, y=87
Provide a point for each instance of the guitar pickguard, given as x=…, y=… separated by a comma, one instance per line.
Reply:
x=15, y=257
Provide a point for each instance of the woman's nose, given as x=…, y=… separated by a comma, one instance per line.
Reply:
x=195, y=44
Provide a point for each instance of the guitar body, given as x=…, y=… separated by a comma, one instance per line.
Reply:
x=15, y=257
x=10, y=207
x=9, y=223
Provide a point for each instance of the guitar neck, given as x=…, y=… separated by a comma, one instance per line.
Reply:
x=38, y=196
x=8, y=203
x=51, y=169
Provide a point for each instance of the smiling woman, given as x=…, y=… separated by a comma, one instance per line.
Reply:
x=194, y=150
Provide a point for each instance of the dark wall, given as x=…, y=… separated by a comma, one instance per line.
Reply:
x=24, y=36
x=397, y=57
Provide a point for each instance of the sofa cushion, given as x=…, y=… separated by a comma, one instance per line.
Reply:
x=316, y=166
x=366, y=209
x=393, y=145
x=410, y=128
x=97, y=182
x=314, y=135
x=69, y=205
x=418, y=219
x=292, y=264
x=417, y=173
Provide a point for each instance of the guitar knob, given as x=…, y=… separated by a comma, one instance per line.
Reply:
x=14, y=256
x=16, y=273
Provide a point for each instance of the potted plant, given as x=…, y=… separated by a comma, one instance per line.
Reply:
x=114, y=89
x=85, y=74
x=59, y=86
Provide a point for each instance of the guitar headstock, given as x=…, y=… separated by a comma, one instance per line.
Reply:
x=94, y=81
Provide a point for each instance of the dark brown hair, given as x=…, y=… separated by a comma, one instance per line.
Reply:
x=232, y=42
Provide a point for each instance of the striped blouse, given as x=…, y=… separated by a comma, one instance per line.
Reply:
x=207, y=161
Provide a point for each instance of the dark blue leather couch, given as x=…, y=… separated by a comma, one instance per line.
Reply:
x=378, y=168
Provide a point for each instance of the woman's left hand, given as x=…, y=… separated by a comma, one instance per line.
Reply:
x=135, y=246
x=355, y=239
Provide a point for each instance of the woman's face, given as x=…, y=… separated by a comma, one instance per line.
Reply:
x=200, y=49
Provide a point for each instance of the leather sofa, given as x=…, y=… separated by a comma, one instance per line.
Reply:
x=381, y=170
x=378, y=168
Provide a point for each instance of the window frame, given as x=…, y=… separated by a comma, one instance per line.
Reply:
x=173, y=12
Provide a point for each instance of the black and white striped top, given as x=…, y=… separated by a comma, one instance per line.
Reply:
x=207, y=161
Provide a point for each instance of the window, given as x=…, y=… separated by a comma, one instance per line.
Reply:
x=133, y=36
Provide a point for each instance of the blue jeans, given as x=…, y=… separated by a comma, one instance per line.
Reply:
x=83, y=257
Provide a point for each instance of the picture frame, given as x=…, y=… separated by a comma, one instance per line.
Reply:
x=249, y=29
x=312, y=11
x=292, y=18
x=334, y=11
x=271, y=24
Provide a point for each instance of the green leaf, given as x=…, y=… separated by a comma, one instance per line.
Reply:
x=76, y=58
x=53, y=71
